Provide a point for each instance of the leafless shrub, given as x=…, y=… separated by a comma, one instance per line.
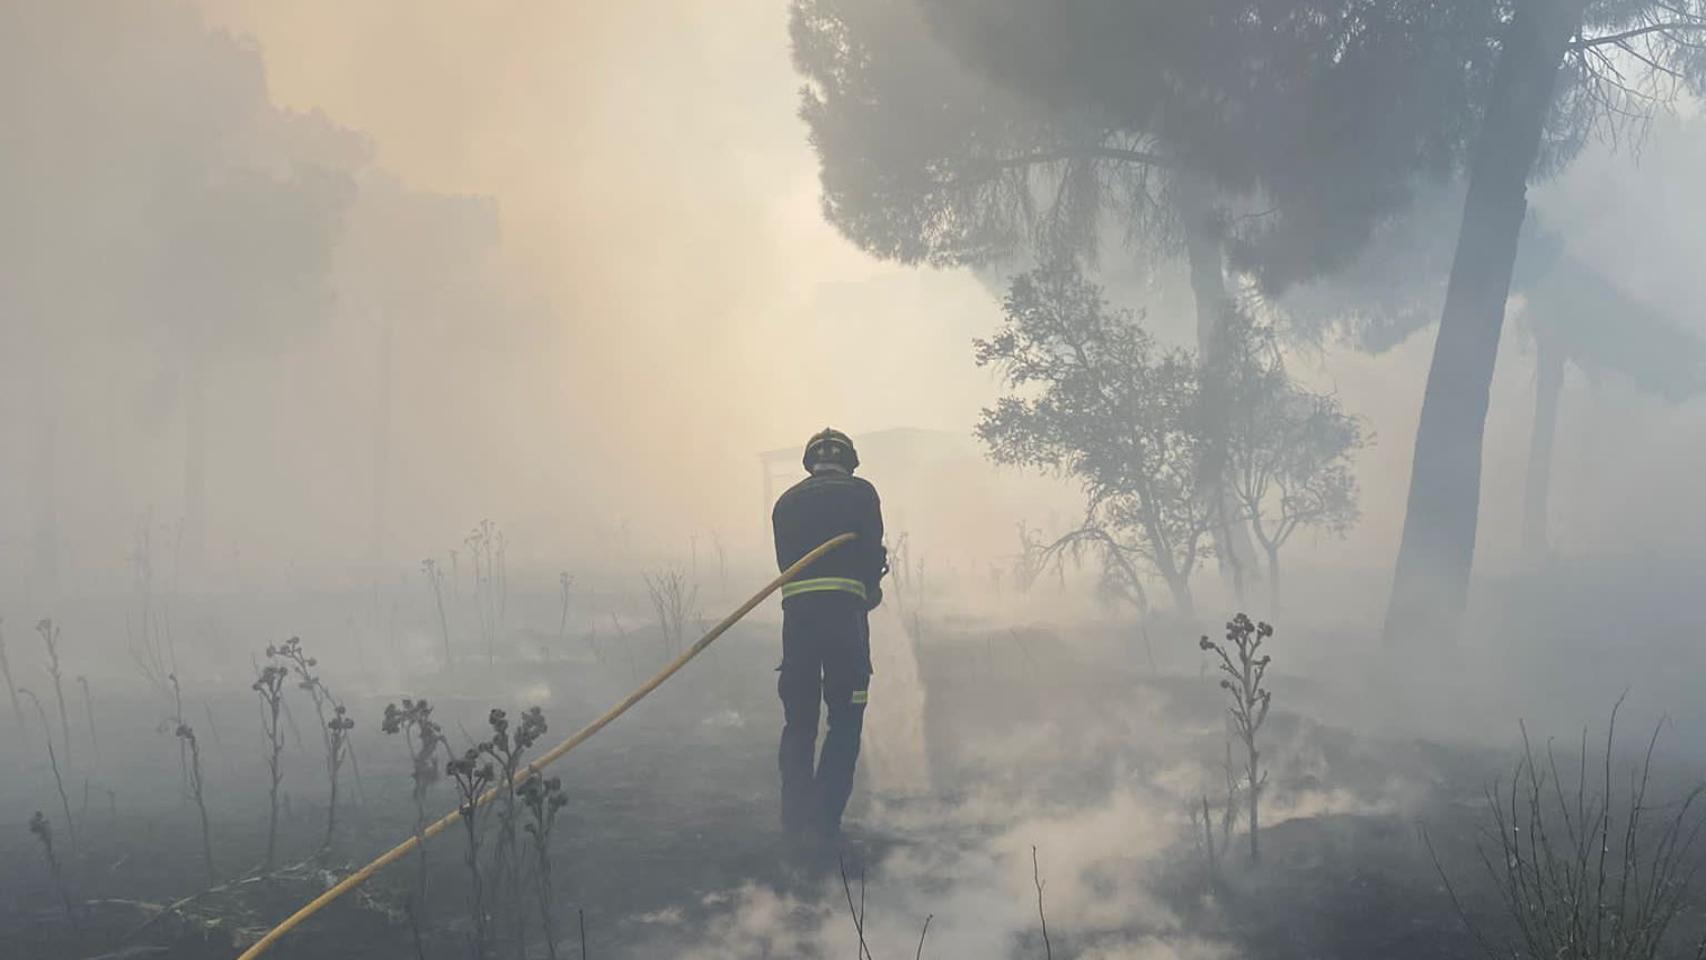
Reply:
x=626, y=642
x=186, y=734
x=1203, y=821
x=435, y=580
x=488, y=548
x=1032, y=560
x=564, y=582
x=722, y=562
x=172, y=724
x=424, y=738
x=1229, y=811
x=269, y=686
x=673, y=600
x=43, y=832
x=6, y=671
x=89, y=714
x=150, y=640
x=334, y=726
x=50, y=638
x=472, y=776
x=857, y=912
x=1245, y=666
x=505, y=749
x=1202, y=829
x=543, y=799
x=1583, y=874
x=1037, y=878
x=53, y=761
x=1121, y=579
x=906, y=571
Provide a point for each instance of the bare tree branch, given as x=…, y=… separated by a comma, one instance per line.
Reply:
x=1618, y=38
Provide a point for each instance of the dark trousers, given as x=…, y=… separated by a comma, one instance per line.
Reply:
x=826, y=655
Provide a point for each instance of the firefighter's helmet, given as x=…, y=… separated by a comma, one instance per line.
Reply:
x=830, y=446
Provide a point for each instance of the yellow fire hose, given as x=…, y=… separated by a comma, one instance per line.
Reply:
x=549, y=757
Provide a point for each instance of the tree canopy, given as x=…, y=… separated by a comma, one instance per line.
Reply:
x=1288, y=449
x=1098, y=401
x=953, y=131
x=1279, y=136
x=1095, y=399
x=1564, y=68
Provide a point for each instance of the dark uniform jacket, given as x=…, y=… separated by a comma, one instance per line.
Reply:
x=820, y=507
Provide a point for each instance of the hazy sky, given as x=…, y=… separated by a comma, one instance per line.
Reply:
x=644, y=295
x=653, y=179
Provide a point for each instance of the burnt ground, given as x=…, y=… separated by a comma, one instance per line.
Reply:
x=668, y=844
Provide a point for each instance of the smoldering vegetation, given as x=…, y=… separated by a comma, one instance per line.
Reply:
x=323, y=517
x=1011, y=729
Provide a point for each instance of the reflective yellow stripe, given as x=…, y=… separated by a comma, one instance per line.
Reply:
x=820, y=584
x=860, y=697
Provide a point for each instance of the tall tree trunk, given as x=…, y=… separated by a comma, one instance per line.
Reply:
x=1273, y=584
x=1548, y=384
x=1431, y=582
x=1205, y=256
x=1184, y=601
x=1207, y=262
x=1177, y=577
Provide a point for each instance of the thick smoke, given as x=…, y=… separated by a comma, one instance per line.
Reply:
x=292, y=296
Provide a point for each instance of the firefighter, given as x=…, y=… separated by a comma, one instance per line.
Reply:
x=826, y=641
